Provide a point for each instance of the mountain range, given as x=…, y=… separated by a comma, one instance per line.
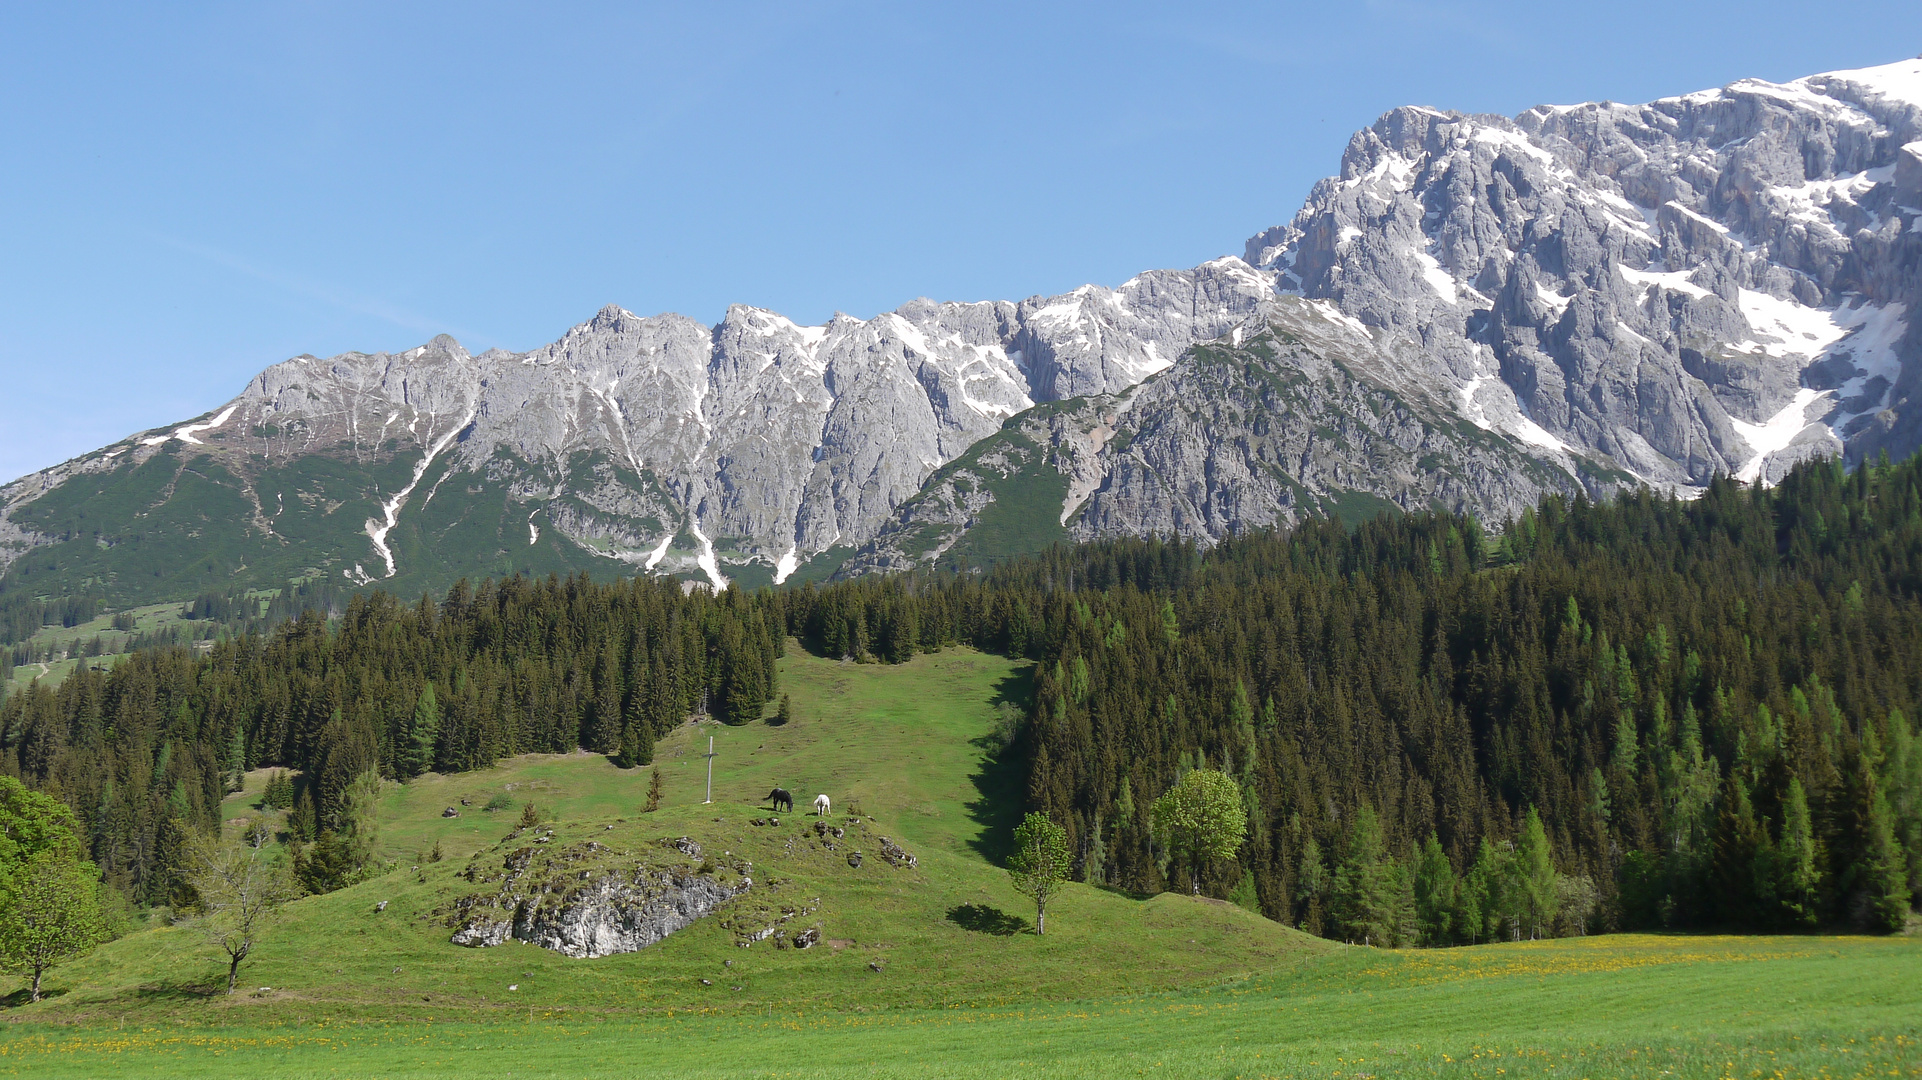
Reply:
x=1473, y=312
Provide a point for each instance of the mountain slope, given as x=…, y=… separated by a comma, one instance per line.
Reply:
x=1716, y=282
x=653, y=443
x=1475, y=310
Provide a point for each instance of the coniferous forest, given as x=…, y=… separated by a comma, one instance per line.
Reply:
x=1630, y=715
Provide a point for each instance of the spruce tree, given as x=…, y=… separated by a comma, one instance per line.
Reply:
x=422, y=734
x=637, y=746
x=1795, y=863
x=1535, y=873
x=1437, y=893
x=1877, y=885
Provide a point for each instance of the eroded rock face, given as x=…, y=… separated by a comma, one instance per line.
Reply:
x=675, y=446
x=1720, y=282
x=1475, y=311
x=584, y=901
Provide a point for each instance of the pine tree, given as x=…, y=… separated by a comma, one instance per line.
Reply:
x=1366, y=889
x=653, y=792
x=637, y=746
x=358, y=823
x=1902, y=783
x=1795, y=862
x=1877, y=884
x=1535, y=873
x=1437, y=893
x=422, y=734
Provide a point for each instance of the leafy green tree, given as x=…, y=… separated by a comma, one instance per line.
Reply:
x=32, y=822
x=49, y=913
x=1576, y=900
x=654, y=788
x=241, y=895
x=1040, y=864
x=1202, y=818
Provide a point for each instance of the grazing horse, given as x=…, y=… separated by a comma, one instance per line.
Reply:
x=821, y=805
x=780, y=798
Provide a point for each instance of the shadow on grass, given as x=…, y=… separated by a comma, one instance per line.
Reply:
x=1003, y=774
x=24, y=995
x=982, y=919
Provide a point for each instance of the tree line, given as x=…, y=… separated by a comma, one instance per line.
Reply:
x=1645, y=713
x=1648, y=712
x=144, y=753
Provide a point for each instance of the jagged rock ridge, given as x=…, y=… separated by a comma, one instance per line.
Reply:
x=1476, y=310
x=668, y=444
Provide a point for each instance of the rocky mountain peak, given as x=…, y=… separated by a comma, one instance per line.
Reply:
x=1472, y=311
x=1714, y=282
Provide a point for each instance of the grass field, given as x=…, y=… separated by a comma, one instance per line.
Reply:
x=1629, y=1006
x=920, y=973
x=114, y=643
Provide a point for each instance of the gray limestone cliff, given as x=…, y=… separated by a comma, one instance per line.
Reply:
x=1476, y=310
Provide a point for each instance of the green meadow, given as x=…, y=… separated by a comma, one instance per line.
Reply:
x=922, y=971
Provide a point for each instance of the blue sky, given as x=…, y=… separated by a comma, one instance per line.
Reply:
x=189, y=193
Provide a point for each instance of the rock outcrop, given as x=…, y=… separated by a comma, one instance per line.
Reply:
x=583, y=900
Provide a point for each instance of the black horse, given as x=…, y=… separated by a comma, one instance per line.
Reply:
x=782, y=799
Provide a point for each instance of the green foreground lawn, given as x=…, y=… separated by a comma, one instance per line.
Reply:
x=1629, y=1006
x=922, y=971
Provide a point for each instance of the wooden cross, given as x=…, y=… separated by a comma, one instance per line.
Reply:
x=710, y=769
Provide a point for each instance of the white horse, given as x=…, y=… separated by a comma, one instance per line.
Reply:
x=821, y=805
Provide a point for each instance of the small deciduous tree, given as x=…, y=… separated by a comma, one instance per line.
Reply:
x=49, y=913
x=1202, y=818
x=1040, y=864
x=241, y=895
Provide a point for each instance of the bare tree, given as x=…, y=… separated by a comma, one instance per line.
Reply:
x=240, y=898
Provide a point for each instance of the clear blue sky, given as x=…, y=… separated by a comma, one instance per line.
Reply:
x=193, y=192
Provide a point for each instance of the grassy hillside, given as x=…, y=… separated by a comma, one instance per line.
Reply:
x=919, y=973
x=905, y=745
